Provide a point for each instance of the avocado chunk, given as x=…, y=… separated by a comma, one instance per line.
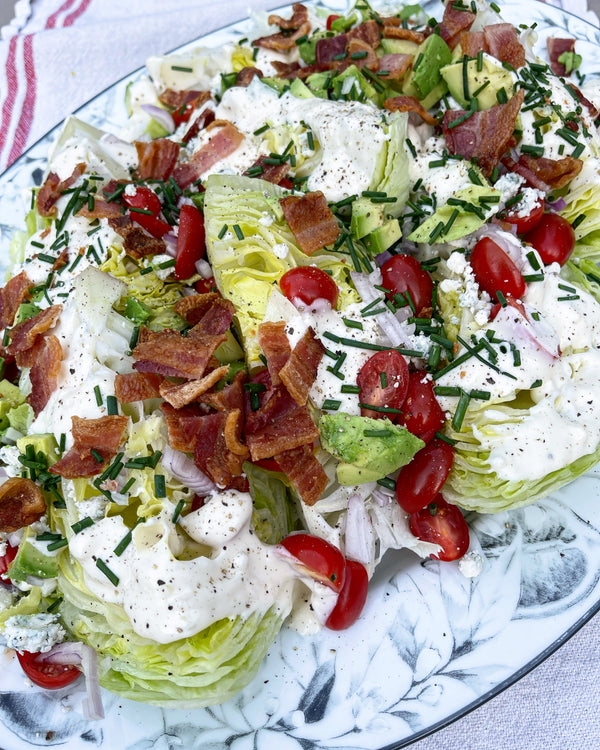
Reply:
x=399, y=47
x=369, y=449
x=300, y=90
x=464, y=80
x=31, y=561
x=432, y=55
x=46, y=443
x=382, y=238
x=366, y=217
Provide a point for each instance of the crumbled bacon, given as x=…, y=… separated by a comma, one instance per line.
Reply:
x=472, y=42
x=53, y=188
x=326, y=50
x=136, y=242
x=298, y=24
x=24, y=334
x=485, y=135
x=183, y=426
x=95, y=442
x=300, y=370
x=368, y=32
x=531, y=178
x=557, y=47
x=102, y=210
x=177, y=99
x=171, y=354
x=232, y=433
x=358, y=46
x=225, y=139
x=231, y=397
x=396, y=64
x=44, y=358
x=555, y=173
x=211, y=454
x=392, y=31
x=311, y=220
x=21, y=504
x=156, y=159
x=304, y=471
x=182, y=394
x=409, y=104
x=270, y=172
x=203, y=120
x=453, y=23
x=275, y=345
x=246, y=75
x=12, y=295
x=502, y=42
x=209, y=313
x=290, y=431
x=136, y=386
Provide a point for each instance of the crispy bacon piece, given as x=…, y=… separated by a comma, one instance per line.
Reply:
x=233, y=432
x=409, y=104
x=203, y=120
x=555, y=173
x=136, y=386
x=21, y=503
x=209, y=313
x=52, y=189
x=304, y=471
x=183, y=426
x=102, y=210
x=24, y=334
x=103, y=436
x=156, y=159
x=371, y=60
x=44, y=358
x=294, y=69
x=136, y=242
x=246, y=75
x=275, y=344
x=532, y=179
x=453, y=23
x=311, y=221
x=326, y=50
x=177, y=99
x=74, y=465
x=171, y=354
x=557, y=47
x=223, y=142
x=270, y=172
x=182, y=394
x=502, y=42
x=396, y=63
x=298, y=24
x=472, y=42
x=211, y=454
x=392, y=31
x=231, y=397
x=300, y=371
x=485, y=135
x=368, y=32
x=12, y=294
x=275, y=404
x=291, y=431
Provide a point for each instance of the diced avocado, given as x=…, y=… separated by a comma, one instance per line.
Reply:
x=229, y=351
x=368, y=448
x=46, y=443
x=137, y=311
x=5, y=407
x=278, y=84
x=317, y=82
x=31, y=561
x=10, y=393
x=300, y=90
x=26, y=310
x=435, y=94
x=20, y=417
x=308, y=48
x=361, y=82
x=487, y=81
x=399, y=47
x=366, y=217
x=431, y=57
x=383, y=237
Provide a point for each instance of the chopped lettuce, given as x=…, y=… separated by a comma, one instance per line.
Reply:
x=274, y=513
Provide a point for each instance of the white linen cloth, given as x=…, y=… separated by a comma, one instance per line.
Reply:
x=56, y=55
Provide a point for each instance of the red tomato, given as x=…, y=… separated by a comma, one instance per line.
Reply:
x=495, y=271
x=422, y=415
x=321, y=560
x=443, y=524
x=525, y=223
x=516, y=303
x=43, y=674
x=286, y=183
x=270, y=464
x=191, y=244
x=6, y=559
x=330, y=19
x=351, y=598
x=403, y=273
x=383, y=381
x=422, y=479
x=307, y=284
x=146, y=199
x=183, y=113
x=206, y=285
x=553, y=238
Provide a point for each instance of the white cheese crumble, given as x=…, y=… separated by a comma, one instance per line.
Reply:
x=35, y=633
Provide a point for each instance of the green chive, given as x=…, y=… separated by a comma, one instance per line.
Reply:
x=177, y=512
x=98, y=395
x=533, y=277
x=103, y=567
x=83, y=524
x=59, y=544
x=261, y=130
x=387, y=482
x=461, y=410
x=331, y=404
x=112, y=406
x=238, y=232
x=536, y=384
x=347, y=388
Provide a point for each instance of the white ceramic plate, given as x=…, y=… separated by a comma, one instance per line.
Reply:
x=431, y=644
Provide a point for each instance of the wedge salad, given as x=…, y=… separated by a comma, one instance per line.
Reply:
x=333, y=284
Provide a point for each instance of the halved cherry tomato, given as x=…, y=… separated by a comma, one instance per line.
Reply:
x=403, y=273
x=443, y=524
x=495, y=271
x=145, y=199
x=351, y=598
x=554, y=239
x=319, y=559
x=330, y=19
x=307, y=284
x=383, y=381
x=206, y=285
x=6, y=559
x=421, y=480
x=421, y=414
x=525, y=223
x=45, y=675
x=191, y=243
x=270, y=464
x=183, y=113
x=516, y=303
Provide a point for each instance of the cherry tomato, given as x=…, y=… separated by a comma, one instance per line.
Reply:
x=145, y=199
x=206, y=285
x=495, y=271
x=516, y=303
x=403, y=273
x=270, y=464
x=44, y=674
x=525, y=223
x=191, y=244
x=554, y=239
x=351, y=598
x=383, y=381
x=6, y=559
x=443, y=524
x=321, y=560
x=307, y=284
x=422, y=415
x=286, y=183
x=422, y=479
x=330, y=19
x=183, y=113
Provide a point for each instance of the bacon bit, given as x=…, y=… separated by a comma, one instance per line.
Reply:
x=24, y=334
x=453, y=23
x=291, y=431
x=557, y=47
x=396, y=63
x=270, y=172
x=371, y=61
x=15, y=291
x=553, y=172
x=204, y=119
x=103, y=433
x=275, y=344
x=53, y=188
x=502, y=42
x=409, y=104
x=311, y=221
x=156, y=159
x=182, y=394
x=305, y=472
x=102, y=210
x=209, y=313
x=368, y=32
x=397, y=32
x=232, y=433
x=211, y=454
x=472, y=42
x=328, y=49
x=225, y=140
x=294, y=69
x=246, y=75
x=195, y=306
x=485, y=135
x=300, y=371
x=21, y=503
x=45, y=358
x=136, y=242
x=183, y=426
x=177, y=99
x=136, y=386
x=231, y=397
x=532, y=179
x=61, y=261
x=171, y=354
x=74, y=465
x=298, y=24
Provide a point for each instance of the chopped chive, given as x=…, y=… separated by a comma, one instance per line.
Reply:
x=58, y=544
x=383, y=379
x=501, y=298
x=568, y=298
x=331, y=404
x=382, y=409
x=387, y=482
x=353, y=323
x=46, y=258
x=578, y=150
x=97, y=456
x=533, y=277
x=310, y=139
x=75, y=262
x=536, y=383
x=103, y=567
x=62, y=442
x=447, y=390
x=577, y=221
x=98, y=395
x=182, y=68
x=238, y=232
x=134, y=338
x=533, y=261
x=146, y=270
x=128, y=485
x=461, y=410
x=167, y=263
x=347, y=388
x=55, y=605
x=260, y=131
x=81, y=525
x=222, y=232
x=177, y=512
x=112, y=406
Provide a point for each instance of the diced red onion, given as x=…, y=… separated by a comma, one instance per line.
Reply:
x=381, y=498
x=76, y=654
x=527, y=332
x=382, y=257
x=360, y=538
x=558, y=205
x=170, y=244
x=184, y=469
x=393, y=326
x=204, y=269
x=161, y=116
